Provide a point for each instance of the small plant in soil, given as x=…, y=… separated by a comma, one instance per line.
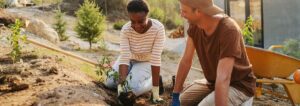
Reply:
x=15, y=39
x=104, y=67
x=104, y=70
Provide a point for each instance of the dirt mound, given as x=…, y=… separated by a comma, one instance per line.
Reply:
x=44, y=81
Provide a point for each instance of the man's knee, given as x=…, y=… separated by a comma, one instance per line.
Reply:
x=193, y=94
x=186, y=100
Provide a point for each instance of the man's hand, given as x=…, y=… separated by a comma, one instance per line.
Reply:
x=175, y=99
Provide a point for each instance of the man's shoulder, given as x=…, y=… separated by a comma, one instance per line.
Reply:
x=230, y=24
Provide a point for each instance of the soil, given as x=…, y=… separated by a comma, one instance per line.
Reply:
x=43, y=80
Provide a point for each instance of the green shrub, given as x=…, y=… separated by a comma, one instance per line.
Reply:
x=14, y=40
x=248, y=31
x=90, y=22
x=60, y=25
x=119, y=24
x=102, y=44
x=2, y=3
x=291, y=47
x=158, y=14
x=37, y=2
x=174, y=23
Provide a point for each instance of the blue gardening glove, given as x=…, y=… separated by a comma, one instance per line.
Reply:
x=175, y=99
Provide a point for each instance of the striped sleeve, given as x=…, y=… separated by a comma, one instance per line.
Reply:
x=158, y=47
x=124, y=46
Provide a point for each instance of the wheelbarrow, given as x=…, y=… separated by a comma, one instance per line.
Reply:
x=270, y=67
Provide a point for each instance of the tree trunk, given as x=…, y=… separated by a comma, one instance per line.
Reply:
x=90, y=42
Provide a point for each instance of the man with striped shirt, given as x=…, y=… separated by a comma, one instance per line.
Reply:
x=142, y=41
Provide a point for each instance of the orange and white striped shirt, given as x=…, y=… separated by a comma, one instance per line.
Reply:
x=142, y=47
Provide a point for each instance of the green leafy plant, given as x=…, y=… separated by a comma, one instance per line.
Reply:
x=105, y=70
x=104, y=67
x=14, y=40
x=174, y=23
x=291, y=47
x=248, y=31
x=119, y=24
x=102, y=44
x=60, y=25
x=90, y=22
x=2, y=3
x=158, y=14
x=37, y=2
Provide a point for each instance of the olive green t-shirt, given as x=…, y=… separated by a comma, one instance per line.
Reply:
x=226, y=41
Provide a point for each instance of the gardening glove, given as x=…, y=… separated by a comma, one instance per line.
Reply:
x=155, y=95
x=120, y=89
x=175, y=99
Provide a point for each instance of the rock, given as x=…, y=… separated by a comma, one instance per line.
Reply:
x=26, y=73
x=4, y=88
x=46, y=57
x=53, y=70
x=13, y=80
x=2, y=79
x=57, y=95
x=36, y=103
x=140, y=102
x=72, y=46
x=40, y=28
x=19, y=87
x=24, y=2
x=13, y=3
x=38, y=80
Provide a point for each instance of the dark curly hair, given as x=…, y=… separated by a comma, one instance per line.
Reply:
x=135, y=6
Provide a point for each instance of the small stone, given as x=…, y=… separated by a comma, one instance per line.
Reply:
x=19, y=87
x=36, y=104
x=140, y=102
x=38, y=80
x=53, y=70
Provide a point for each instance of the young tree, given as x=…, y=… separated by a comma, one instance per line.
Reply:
x=14, y=40
x=90, y=22
x=60, y=25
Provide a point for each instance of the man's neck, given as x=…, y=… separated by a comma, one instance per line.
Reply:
x=209, y=24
